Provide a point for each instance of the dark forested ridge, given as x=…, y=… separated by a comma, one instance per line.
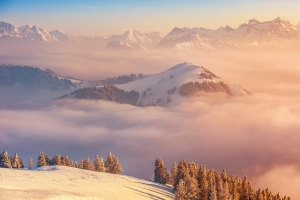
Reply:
x=108, y=93
x=191, y=88
x=123, y=79
x=33, y=77
x=193, y=182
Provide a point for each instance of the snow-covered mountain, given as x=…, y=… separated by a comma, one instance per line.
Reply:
x=61, y=36
x=28, y=32
x=181, y=80
x=33, y=77
x=66, y=183
x=136, y=39
x=253, y=33
x=162, y=89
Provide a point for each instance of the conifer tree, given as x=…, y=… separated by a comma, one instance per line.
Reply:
x=99, y=164
x=66, y=161
x=16, y=162
x=193, y=169
x=87, y=164
x=160, y=173
x=42, y=160
x=56, y=160
x=212, y=193
x=5, y=160
x=173, y=173
x=112, y=164
x=203, y=183
x=109, y=163
x=80, y=166
x=30, y=164
x=21, y=163
x=116, y=168
x=180, y=193
x=181, y=173
x=191, y=186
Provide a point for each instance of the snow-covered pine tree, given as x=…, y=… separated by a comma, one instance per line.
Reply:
x=173, y=173
x=109, y=163
x=56, y=160
x=203, y=183
x=212, y=193
x=66, y=160
x=16, y=162
x=30, y=164
x=5, y=160
x=160, y=172
x=80, y=166
x=87, y=164
x=191, y=186
x=193, y=169
x=99, y=164
x=42, y=160
x=180, y=193
x=21, y=163
x=181, y=173
x=112, y=164
x=116, y=168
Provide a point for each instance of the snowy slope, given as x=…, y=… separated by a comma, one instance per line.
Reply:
x=66, y=183
x=157, y=86
x=253, y=33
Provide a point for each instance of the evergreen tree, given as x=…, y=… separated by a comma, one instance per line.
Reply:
x=66, y=161
x=16, y=162
x=87, y=164
x=191, y=186
x=56, y=160
x=116, y=168
x=160, y=173
x=80, y=166
x=203, y=183
x=21, y=163
x=30, y=164
x=213, y=193
x=173, y=173
x=193, y=169
x=99, y=164
x=180, y=193
x=109, y=163
x=5, y=160
x=112, y=164
x=181, y=173
x=42, y=160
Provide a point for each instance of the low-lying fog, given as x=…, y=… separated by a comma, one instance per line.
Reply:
x=256, y=135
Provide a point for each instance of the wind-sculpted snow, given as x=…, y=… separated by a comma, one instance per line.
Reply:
x=66, y=183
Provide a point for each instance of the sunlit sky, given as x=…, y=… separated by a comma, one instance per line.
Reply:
x=106, y=17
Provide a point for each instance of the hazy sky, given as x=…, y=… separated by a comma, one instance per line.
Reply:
x=99, y=17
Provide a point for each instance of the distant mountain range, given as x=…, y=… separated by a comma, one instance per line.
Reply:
x=255, y=33
x=252, y=34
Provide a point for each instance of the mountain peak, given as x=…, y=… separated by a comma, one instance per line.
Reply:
x=254, y=21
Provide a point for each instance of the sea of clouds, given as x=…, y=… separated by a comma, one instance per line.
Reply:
x=255, y=135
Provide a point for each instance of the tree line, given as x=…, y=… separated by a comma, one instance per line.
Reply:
x=193, y=182
x=108, y=93
x=111, y=165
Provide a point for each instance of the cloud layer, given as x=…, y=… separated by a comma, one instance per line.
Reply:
x=257, y=136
